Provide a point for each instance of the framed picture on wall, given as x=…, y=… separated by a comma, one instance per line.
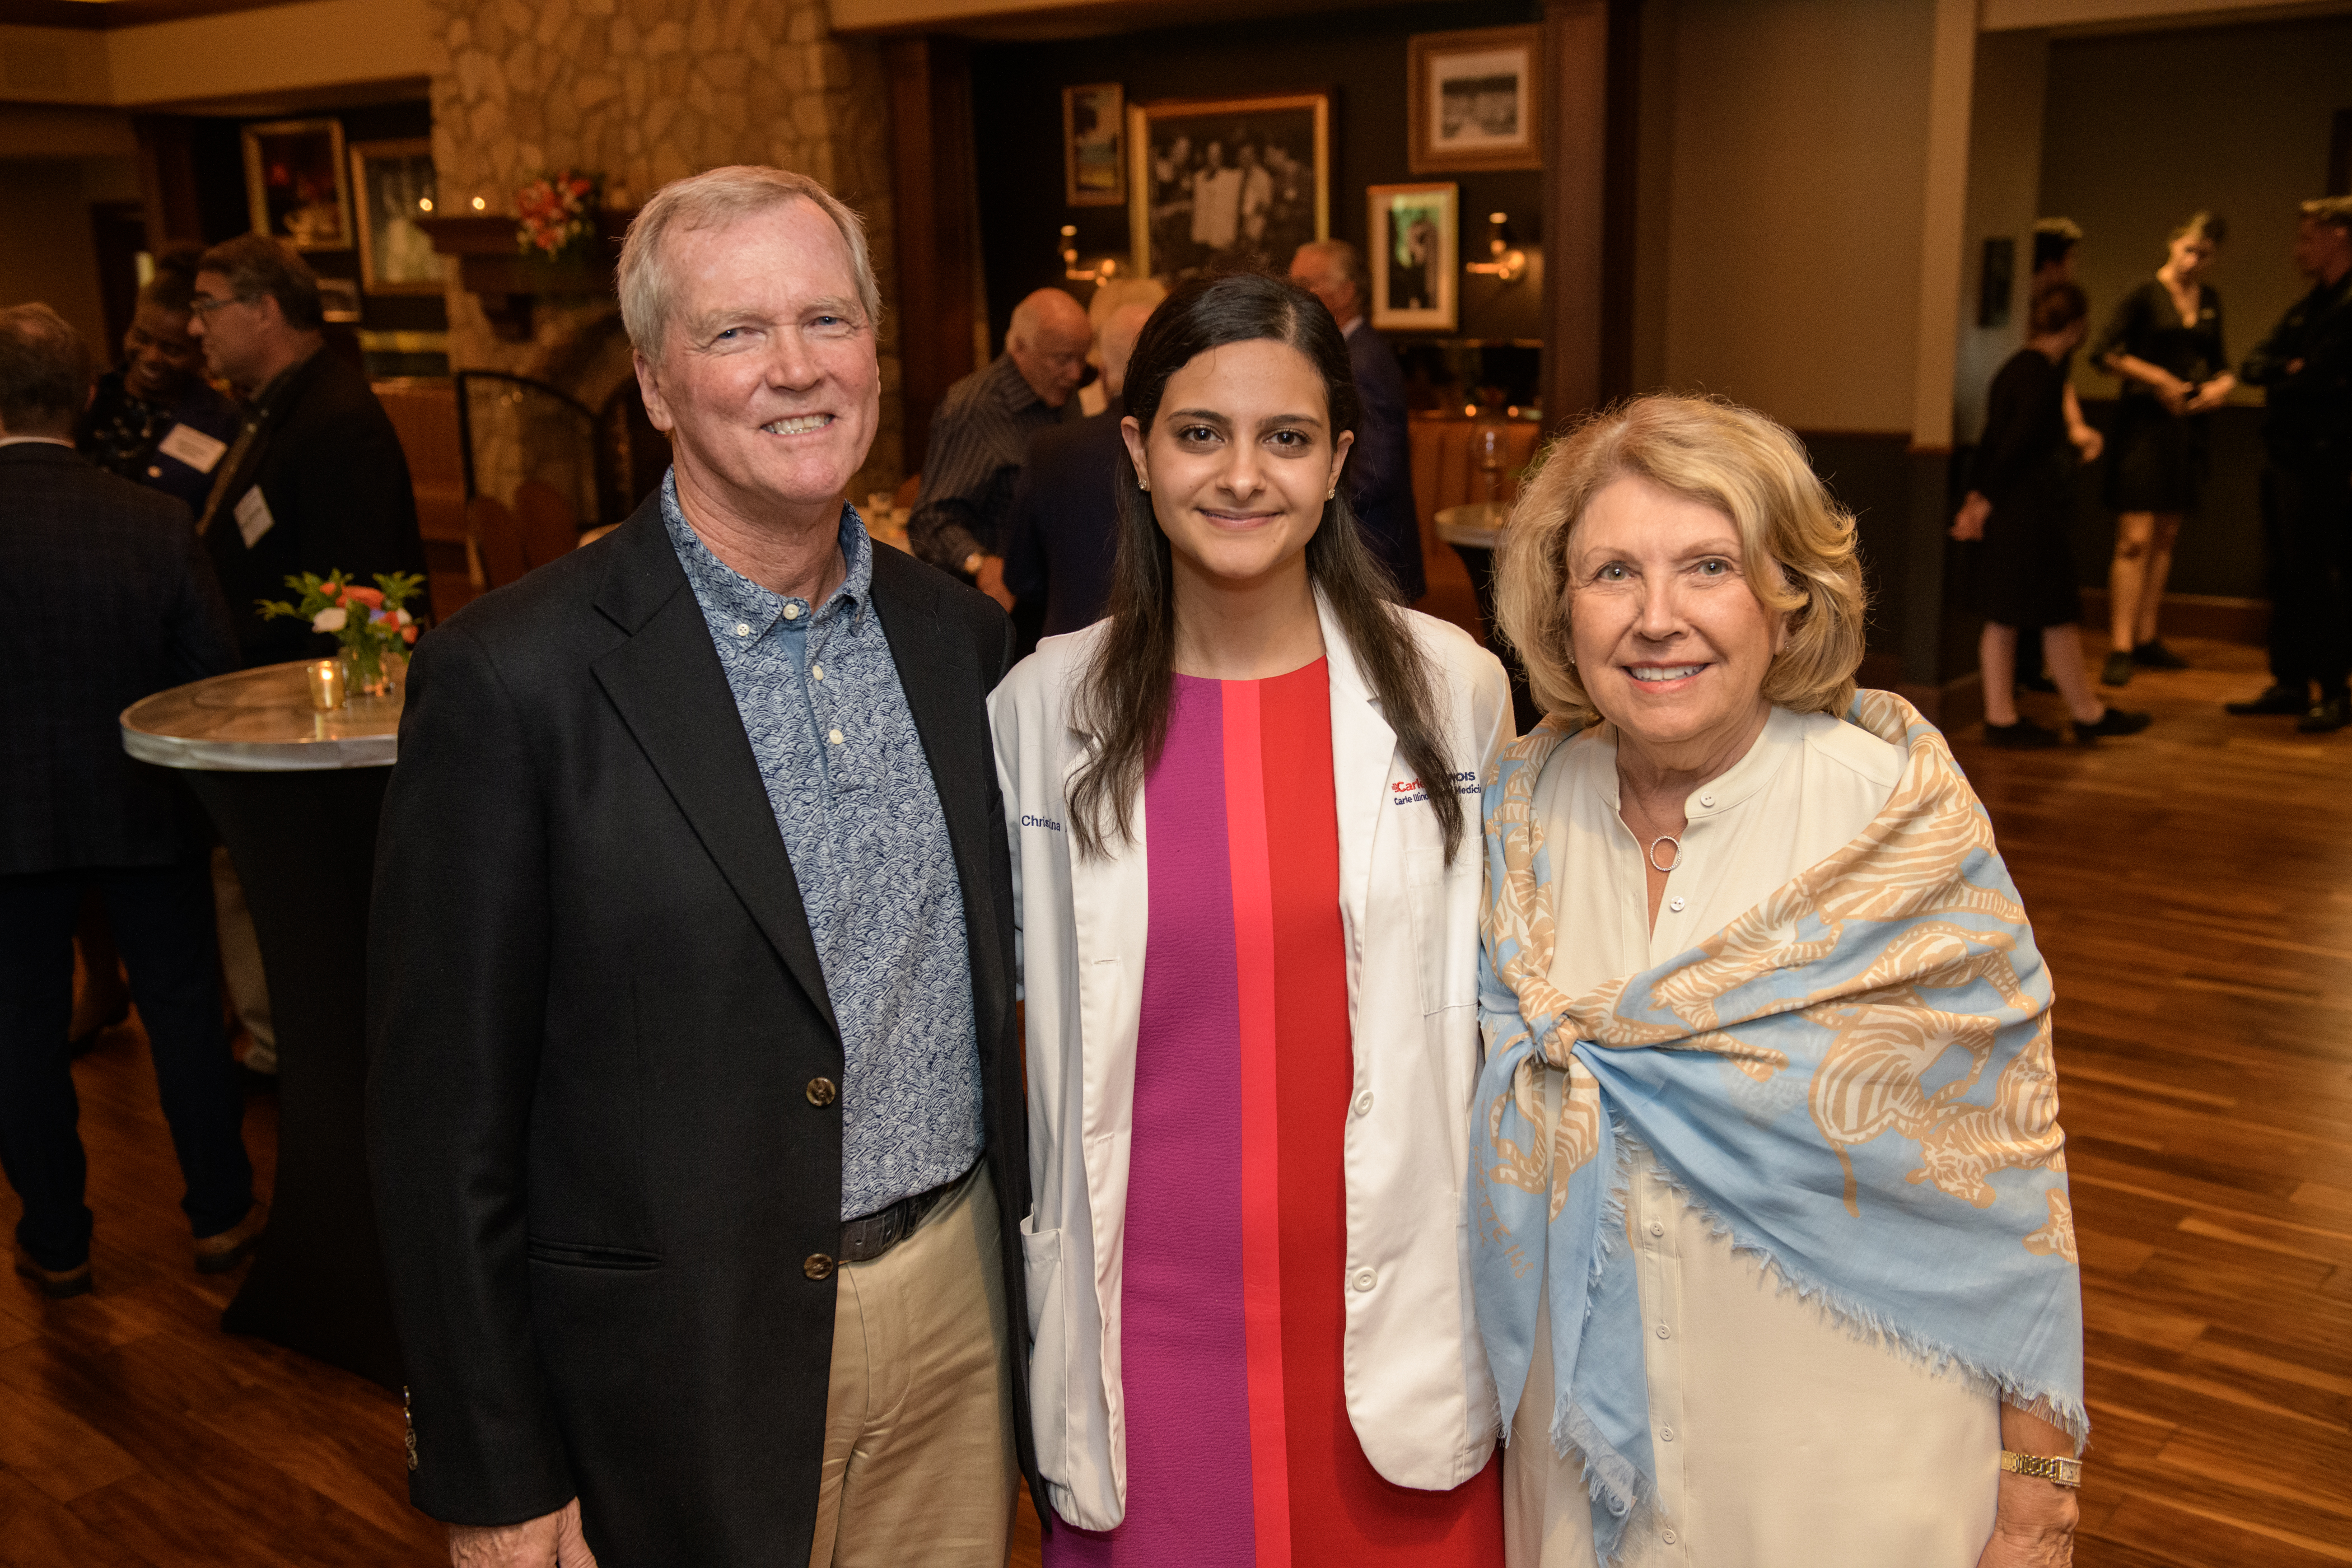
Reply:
x=1094, y=145
x=392, y=186
x=1215, y=183
x=1416, y=242
x=294, y=182
x=1474, y=100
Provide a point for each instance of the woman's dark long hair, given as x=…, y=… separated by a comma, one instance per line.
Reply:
x=1124, y=697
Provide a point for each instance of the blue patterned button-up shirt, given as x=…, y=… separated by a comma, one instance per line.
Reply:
x=852, y=790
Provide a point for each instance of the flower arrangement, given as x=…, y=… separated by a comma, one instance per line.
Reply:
x=558, y=214
x=368, y=622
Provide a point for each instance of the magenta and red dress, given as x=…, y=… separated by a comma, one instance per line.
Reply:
x=1239, y=1450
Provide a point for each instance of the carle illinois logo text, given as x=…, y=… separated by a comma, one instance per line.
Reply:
x=1410, y=792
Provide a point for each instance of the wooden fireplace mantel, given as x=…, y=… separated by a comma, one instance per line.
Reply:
x=508, y=282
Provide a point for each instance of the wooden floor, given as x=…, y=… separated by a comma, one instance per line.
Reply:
x=2192, y=889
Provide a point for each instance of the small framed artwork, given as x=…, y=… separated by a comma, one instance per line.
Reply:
x=1227, y=182
x=1474, y=100
x=338, y=299
x=1995, y=279
x=1416, y=242
x=393, y=186
x=294, y=182
x=1094, y=145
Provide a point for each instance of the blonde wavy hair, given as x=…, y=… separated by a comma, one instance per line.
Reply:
x=1797, y=545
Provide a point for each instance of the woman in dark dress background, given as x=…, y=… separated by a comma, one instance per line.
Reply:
x=2165, y=342
x=2018, y=504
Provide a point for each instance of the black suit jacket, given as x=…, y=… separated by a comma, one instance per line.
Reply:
x=594, y=1011
x=104, y=598
x=1379, y=467
x=329, y=465
x=1063, y=522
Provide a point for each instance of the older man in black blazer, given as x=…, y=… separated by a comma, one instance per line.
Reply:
x=1063, y=543
x=696, y=1105
x=104, y=599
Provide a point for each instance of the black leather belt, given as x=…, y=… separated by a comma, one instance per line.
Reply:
x=869, y=1237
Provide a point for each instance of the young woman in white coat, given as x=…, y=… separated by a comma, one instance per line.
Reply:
x=1244, y=828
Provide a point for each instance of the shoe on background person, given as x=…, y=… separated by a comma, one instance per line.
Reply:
x=2041, y=683
x=2113, y=722
x=2283, y=700
x=2025, y=735
x=2153, y=655
x=219, y=1254
x=56, y=1284
x=2327, y=716
x=2117, y=670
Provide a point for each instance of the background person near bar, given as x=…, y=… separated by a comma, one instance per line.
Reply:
x=980, y=438
x=2165, y=342
x=1380, y=471
x=104, y=598
x=155, y=419
x=2305, y=368
x=315, y=479
x=695, y=1107
x=2021, y=504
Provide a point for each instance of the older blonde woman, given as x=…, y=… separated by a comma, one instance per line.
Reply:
x=1773, y=1256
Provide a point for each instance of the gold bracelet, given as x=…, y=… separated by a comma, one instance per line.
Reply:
x=2046, y=1466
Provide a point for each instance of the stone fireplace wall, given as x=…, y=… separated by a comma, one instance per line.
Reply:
x=645, y=91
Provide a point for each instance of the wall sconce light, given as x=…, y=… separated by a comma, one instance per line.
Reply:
x=1505, y=263
x=1104, y=268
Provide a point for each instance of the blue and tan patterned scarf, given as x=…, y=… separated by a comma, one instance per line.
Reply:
x=1854, y=1080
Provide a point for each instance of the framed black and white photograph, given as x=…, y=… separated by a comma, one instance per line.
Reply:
x=1219, y=183
x=1415, y=255
x=393, y=186
x=294, y=182
x=1474, y=100
x=1094, y=145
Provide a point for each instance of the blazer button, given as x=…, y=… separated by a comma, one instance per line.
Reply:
x=821, y=1092
x=817, y=1266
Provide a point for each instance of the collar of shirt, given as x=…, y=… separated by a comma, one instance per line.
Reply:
x=1782, y=735
x=1355, y=324
x=23, y=440
x=740, y=610
x=1012, y=389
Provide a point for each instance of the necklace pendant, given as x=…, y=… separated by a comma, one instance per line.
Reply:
x=1665, y=838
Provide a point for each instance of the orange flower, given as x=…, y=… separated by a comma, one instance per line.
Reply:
x=371, y=597
x=408, y=633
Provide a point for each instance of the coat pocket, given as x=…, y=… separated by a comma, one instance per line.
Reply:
x=1049, y=1350
x=587, y=1255
x=1446, y=944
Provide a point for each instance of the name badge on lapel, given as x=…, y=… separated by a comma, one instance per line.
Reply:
x=192, y=446
x=253, y=519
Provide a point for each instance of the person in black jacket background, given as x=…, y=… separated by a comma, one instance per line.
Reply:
x=156, y=420
x=2304, y=367
x=1378, y=475
x=104, y=599
x=315, y=479
x=2018, y=504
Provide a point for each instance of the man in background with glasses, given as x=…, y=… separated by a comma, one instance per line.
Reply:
x=315, y=479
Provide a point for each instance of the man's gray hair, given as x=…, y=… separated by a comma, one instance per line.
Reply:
x=44, y=371
x=1350, y=263
x=709, y=200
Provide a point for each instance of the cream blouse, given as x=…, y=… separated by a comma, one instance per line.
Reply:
x=1780, y=1439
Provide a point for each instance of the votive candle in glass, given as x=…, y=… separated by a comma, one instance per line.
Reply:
x=326, y=677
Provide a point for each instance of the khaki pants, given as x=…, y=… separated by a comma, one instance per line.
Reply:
x=919, y=1458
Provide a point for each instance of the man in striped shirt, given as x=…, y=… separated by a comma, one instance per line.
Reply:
x=980, y=439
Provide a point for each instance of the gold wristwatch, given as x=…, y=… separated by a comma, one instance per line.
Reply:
x=2047, y=1467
